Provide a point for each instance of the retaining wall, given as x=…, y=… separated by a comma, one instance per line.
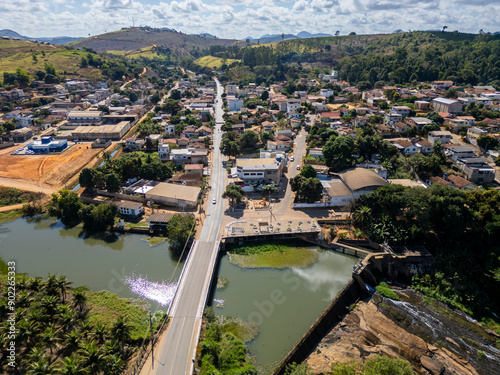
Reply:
x=373, y=268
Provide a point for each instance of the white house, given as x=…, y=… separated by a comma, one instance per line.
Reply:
x=254, y=171
x=401, y=110
x=473, y=134
x=292, y=105
x=164, y=151
x=405, y=146
x=129, y=208
x=442, y=136
x=170, y=129
x=326, y=92
x=234, y=103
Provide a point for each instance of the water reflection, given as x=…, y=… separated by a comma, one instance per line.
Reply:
x=163, y=293
x=320, y=277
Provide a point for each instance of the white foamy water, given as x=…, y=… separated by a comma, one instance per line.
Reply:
x=219, y=302
x=163, y=293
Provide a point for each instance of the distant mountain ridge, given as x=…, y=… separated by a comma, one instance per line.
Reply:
x=273, y=38
x=52, y=40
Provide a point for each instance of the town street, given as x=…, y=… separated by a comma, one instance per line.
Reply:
x=175, y=352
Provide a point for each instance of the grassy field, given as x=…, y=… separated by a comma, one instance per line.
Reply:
x=8, y=216
x=105, y=307
x=19, y=54
x=213, y=62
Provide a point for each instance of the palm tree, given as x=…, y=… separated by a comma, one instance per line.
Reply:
x=36, y=283
x=50, y=337
x=79, y=299
x=72, y=340
x=50, y=304
x=51, y=285
x=100, y=333
x=120, y=331
x=362, y=217
x=93, y=358
x=40, y=367
x=36, y=353
x=72, y=365
x=115, y=365
x=444, y=28
x=62, y=284
x=67, y=319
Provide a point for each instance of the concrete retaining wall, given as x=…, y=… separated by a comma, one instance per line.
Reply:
x=373, y=268
x=331, y=316
x=122, y=196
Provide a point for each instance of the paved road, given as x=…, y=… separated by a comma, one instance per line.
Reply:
x=175, y=353
x=285, y=205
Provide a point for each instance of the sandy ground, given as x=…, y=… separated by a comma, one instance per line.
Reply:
x=48, y=171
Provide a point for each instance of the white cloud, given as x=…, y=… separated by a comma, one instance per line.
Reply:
x=240, y=18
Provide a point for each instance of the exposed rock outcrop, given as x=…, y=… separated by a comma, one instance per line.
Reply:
x=435, y=340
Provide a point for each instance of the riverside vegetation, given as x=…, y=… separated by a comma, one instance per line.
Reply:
x=222, y=349
x=281, y=255
x=460, y=228
x=66, y=330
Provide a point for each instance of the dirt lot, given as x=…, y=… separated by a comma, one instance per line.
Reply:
x=52, y=171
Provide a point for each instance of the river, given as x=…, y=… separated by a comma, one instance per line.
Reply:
x=283, y=303
x=42, y=247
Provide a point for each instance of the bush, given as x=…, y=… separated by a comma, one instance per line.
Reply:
x=384, y=290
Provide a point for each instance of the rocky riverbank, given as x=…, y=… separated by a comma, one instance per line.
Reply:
x=425, y=332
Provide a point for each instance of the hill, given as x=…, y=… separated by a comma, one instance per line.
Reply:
x=68, y=62
x=60, y=40
x=142, y=41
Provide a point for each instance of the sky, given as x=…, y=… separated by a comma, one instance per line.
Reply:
x=239, y=19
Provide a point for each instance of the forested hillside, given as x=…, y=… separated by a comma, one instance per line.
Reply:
x=369, y=60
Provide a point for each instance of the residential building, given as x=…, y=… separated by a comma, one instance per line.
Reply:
x=477, y=171
x=131, y=209
x=405, y=146
x=316, y=153
x=292, y=105
x=418, y=122
x=21, y=135
x=234, y=103
x=326, y=92
x=391, y=118
x=441, y=85
x=134, y=143
x=190, y=155
x=460, y=182
x=170, y=129
x=400, y=127
x=401, y=110
x=194, y=169
x=259, y=171
x=422, y=105
x=473, y=134
x=460, y=152
x=442, y=136
x=424, y=146
x=164, y=151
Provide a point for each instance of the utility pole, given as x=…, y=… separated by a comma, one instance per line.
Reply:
x=152, y=341
x=133, y=22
